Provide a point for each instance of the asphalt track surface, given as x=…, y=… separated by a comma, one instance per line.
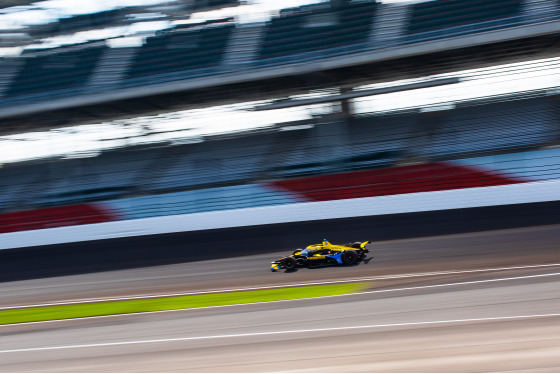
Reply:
x=414, y=317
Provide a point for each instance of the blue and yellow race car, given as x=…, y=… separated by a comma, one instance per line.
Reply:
x=323, y=254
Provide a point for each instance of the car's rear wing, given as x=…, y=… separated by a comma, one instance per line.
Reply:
x=363, y=245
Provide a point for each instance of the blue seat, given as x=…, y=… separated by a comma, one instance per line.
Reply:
x=318, y=31
x=433, y=16
x=56, y=71
x=180, y=52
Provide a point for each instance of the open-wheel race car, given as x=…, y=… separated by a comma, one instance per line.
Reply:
x=323, y=254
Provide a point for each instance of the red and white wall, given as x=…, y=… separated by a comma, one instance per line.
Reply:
x=514, y=178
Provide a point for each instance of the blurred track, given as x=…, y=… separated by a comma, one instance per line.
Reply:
x=492, y=249
x=491, y=323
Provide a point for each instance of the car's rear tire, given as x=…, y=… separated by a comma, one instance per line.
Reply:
x=289, y=263
x=349, y=257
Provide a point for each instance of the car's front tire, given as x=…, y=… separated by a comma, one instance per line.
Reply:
x=289, y=263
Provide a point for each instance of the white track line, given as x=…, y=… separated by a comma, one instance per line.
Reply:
x=385, y=277
x=288, y=300
x=225, y=336
x=456, y=284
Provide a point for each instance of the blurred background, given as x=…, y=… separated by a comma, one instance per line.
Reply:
x=133, y=109
x=148, y=132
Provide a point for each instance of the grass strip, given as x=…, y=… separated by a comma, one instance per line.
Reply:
x=103, y=308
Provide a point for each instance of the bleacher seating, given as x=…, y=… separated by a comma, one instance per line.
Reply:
x=217, y=162
x=503, y=137
x=330, y=32
x=496, y=127
x=299, y=153
x=298, y=35
x=87, y=21
x=9, y=196
x=543, y=164
x=201, y=200
x=55, y=71
x=378, y=140
x=183, y=51
x=89, y=179
x=441, y=18
x=369, y=142
x=16, y=182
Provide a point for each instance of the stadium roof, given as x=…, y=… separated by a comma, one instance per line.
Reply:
x=11, y=3
x=217, y=90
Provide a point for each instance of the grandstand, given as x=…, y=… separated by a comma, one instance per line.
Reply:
x=172, y=62
x=11, y=3
x=155, y=158
x=230, y=171
x=342, y=154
